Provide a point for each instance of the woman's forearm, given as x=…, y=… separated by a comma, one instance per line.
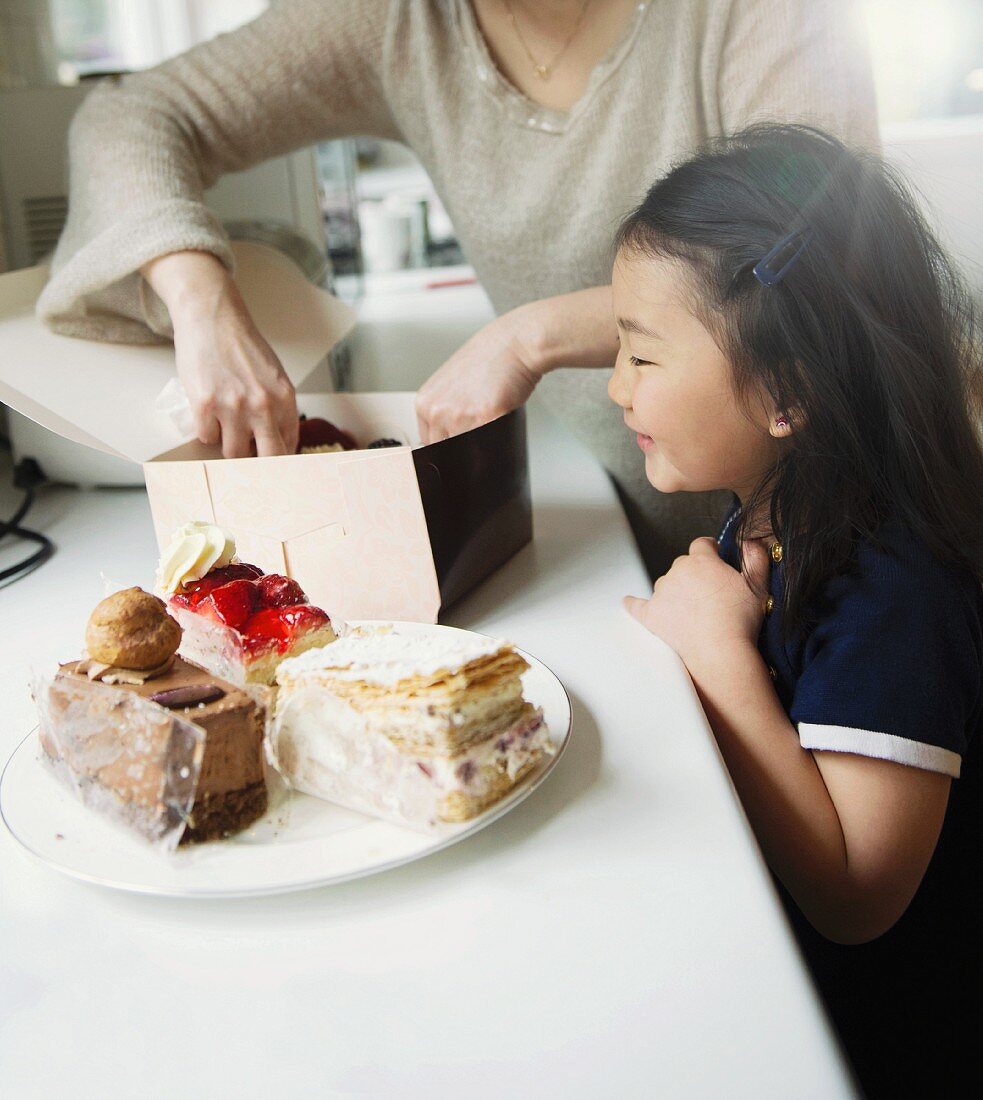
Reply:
x=188, y=281
x=570, y=330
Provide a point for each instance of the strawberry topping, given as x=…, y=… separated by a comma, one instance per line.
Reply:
x=277, y=627
x=278, y=591
x=268, y=610
x=192, y=594
x=231, y=604
x=315, y=431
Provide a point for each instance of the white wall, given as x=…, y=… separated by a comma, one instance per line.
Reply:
x=943, y=161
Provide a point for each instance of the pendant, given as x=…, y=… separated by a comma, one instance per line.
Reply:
x=543, y=72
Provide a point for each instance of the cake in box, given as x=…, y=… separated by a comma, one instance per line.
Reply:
x=149, y=739
x=416, y=728
x=237, y=622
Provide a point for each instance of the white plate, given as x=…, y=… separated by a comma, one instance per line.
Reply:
x=303, y=843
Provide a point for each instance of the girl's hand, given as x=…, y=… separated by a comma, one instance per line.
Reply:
x=239, y=393
x=704, y=608
x=492, y=374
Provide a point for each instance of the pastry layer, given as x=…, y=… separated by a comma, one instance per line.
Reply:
x=429, y=694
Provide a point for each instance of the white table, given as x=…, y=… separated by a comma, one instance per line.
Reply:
x=617, y=934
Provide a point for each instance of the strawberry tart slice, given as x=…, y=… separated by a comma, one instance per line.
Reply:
x=239, y=623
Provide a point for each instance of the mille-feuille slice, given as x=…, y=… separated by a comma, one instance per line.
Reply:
x=418, y=728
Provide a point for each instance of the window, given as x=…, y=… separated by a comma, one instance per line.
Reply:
x=99, y=36
x=927, y=57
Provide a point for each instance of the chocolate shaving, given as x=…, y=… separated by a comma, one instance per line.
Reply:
x=189, y=696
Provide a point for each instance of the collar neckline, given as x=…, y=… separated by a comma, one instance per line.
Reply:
x=519, y=108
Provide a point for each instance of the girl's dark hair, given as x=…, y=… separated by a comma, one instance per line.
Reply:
x=868, y=341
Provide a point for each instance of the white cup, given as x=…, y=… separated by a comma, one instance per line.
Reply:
x=386, y=235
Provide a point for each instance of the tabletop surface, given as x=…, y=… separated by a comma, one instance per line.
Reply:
x=617, y=932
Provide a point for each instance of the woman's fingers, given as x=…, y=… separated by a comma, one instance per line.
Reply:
x=239, y=392
x=209, y=430
x=268, y=439
x=284, y=412
x=486, y=377
x=289, y=427
x=237, y=439
x=435, y=420
x=270, y=405
x=422, y=419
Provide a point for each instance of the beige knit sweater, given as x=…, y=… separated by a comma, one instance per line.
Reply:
x=534, y=194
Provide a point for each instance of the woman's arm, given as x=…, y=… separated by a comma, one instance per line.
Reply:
x=500, y=366
x=141, y=153
x=142, y=258
x=849, y=836
x=239, y=393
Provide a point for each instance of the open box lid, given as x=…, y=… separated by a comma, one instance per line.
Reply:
x=104, y=395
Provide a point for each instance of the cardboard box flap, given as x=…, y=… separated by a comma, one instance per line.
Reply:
x=104, y=394
x=476, y=497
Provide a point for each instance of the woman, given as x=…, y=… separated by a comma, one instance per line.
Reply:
x=540, y=124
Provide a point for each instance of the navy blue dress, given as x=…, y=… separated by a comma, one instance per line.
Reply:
x=894, y=669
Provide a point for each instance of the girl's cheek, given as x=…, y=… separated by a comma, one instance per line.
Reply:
x=650, y=403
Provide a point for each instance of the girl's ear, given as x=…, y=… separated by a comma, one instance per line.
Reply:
x=783, y=422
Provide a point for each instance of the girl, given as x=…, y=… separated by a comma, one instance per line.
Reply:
x=791, y=331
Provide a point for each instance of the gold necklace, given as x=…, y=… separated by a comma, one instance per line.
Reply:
x=545, y=71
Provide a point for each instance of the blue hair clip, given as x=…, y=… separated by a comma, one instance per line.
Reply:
x=765, y=271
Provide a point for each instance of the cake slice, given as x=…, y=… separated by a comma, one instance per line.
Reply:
x=237, y=622
x=149, y=739
x=418, y=728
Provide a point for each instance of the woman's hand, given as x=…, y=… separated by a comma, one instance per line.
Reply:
x=239, y=393
x=499, y=367
x=704, y=608
x=492, y=374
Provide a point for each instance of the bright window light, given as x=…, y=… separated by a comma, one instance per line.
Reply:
x=925, y=54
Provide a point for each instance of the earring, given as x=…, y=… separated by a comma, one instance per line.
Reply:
x=781, y=422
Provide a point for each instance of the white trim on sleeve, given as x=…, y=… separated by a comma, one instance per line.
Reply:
x=883, y=746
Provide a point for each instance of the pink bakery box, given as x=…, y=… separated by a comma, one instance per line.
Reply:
x=398, y=532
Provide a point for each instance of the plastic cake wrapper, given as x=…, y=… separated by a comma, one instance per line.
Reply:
x=211, y=645
x=220, y=649
x=173, y=402
x=122, y=756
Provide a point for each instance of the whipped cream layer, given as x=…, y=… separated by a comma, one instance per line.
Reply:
x=322, y=747
x=194, y=550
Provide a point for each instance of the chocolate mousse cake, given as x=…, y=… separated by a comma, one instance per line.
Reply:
x=149, y=738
